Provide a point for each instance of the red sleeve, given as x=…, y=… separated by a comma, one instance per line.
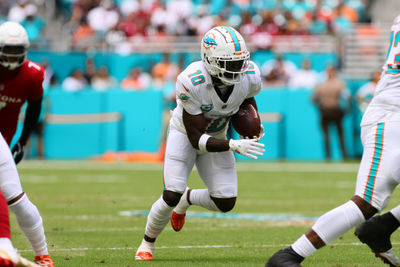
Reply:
x=36, y=82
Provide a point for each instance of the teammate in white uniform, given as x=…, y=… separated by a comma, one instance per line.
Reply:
x=208, y=92
x=378, y=175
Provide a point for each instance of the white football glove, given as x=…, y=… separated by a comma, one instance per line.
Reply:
x=257, y=137
x=247, y=147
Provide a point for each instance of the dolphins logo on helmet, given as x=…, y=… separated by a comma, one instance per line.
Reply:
x=209, y=41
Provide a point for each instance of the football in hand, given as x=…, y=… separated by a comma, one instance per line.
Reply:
x=246, y=121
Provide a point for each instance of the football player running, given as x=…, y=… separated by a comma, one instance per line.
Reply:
x=378, y=175
x=208, y=93
x=20, y=81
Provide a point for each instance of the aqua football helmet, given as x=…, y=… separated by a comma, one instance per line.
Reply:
x=14, y=45
x=224, y=54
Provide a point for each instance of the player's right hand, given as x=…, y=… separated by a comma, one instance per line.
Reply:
x=247, y=147
x=17, y=152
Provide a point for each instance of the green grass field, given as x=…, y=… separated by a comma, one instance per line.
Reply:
x=80, y=203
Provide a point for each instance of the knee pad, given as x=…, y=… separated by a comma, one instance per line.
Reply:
x=171, y=198
x=224, y=204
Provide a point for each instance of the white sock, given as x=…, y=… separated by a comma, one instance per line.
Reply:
x=303, y=246
x=201, y=197
x=158, y=218
x=146, y=246
x=396, y=212
x=338, y=221
x=31, y=224
x=6, y=244
x=183, y=204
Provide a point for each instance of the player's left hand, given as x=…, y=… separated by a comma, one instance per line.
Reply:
x=17, y=152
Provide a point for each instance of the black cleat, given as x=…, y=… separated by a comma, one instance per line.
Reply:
x=376, y=235
x=286, y=257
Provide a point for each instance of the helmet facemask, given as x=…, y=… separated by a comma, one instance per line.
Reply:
x=229, y=70
x=12, y=56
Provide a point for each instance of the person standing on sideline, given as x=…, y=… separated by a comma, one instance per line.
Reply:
x=208, y=93
x=328, y=96
x=377, y=177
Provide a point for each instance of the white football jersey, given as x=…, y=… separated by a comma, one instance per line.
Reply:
x=195, y=93
x=385, y=105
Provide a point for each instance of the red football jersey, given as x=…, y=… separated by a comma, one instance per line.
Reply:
x=17, y=86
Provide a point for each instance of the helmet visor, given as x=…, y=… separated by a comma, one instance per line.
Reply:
x=234, y=66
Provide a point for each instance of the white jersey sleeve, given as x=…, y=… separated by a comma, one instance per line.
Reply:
x=187, y=97
x=254, y=76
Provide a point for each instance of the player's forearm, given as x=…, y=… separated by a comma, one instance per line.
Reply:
x=31, y=118
x=217, y=145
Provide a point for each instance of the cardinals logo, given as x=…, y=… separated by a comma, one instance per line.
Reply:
x=209, y=41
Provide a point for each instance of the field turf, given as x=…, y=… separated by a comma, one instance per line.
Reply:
x=81, y=204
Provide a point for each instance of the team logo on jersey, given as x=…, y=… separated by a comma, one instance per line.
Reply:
x=184, y=98
x=206, y=108
x=209, y=41
x=2, y=87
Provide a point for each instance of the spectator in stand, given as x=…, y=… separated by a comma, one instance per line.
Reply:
x=291, y=25
x=33, y=23
x=137, y=80
x=161, y=19
x=304, y=78
x=205, y=21
x=341, y=22
x=134, y=24
x=75, y=82
x=102, y=81
x=298, y=8
x=17, y=13
x=277, y=72
x=164, y=71
x=104, y=17
x=317, y=25
x=83, y=37
x=366, y=92
x=329, y=97
x=180, y=8
x=248, y=28
x=90, y=70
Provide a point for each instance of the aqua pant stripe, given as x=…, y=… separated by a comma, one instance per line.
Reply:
x=376, y=160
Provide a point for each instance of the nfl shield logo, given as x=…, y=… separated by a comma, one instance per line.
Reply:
x=206, y=108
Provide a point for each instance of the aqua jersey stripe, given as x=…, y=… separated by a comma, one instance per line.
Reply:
x=375, y=163
x=234, y=38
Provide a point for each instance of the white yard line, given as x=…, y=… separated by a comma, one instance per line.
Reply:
x=193, y=247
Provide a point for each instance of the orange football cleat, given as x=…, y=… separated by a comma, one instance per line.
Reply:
x=177, y=221
x=143, y=256
x=44, y=261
